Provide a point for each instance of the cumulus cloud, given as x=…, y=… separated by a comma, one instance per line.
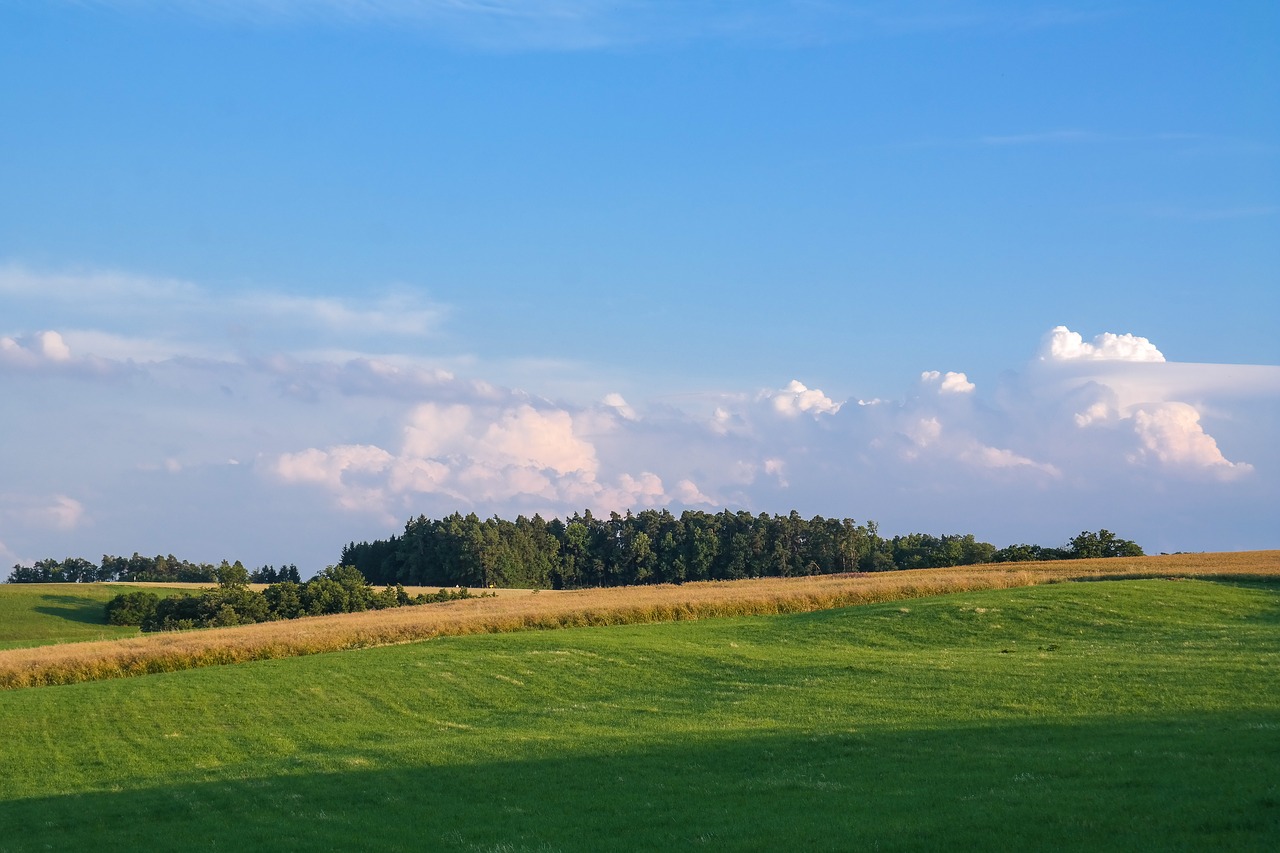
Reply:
x=49, y=351
x=796, y=399
x=327, y=467
x=36, y=350
x=616, y=402
x=372, y=439
x=524, y=436
x=924, y=431
x=485, y=456
x=1171, y=433
x=948, y=383
x=1121, y=385
x=55, y=512
x=1062, y=344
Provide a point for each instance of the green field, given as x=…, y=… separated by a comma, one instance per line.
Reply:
x=1111, y=715
x=38, y=614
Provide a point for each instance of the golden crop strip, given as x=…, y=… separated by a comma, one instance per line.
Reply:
x=72, y=662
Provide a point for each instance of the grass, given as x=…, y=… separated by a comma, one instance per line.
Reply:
x=1120, y=716
x=630, y=605
x=45, y=614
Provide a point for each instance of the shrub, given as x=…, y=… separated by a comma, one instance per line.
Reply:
x=131, y=608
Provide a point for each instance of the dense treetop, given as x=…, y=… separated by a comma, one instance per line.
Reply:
x=652, y=546
x=655, y=546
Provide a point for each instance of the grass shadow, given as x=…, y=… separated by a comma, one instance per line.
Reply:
x=1189, y=783
x=73, y=608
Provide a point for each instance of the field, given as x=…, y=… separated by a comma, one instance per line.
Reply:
x=1112, y=715
x=169, y=652
x=41, y=614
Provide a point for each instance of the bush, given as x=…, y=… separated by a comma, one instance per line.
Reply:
x=131, y=608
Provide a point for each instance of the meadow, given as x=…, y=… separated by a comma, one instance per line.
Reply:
x=44, y=614
x=173, y=651
x=1116, y=715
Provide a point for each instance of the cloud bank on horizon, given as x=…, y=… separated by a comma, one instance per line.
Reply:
x=215, y=439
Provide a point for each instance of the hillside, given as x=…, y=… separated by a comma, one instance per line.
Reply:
x=168, y=652
x=1086, y=716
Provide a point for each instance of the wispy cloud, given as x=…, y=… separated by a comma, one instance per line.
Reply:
x=1214, y=214
x=1052, y=137
x=594, y=24
x=106, y=313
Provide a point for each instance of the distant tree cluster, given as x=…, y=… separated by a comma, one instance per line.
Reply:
x=338, y=589
x=652, y=546
x=655, y=546
x=139, y=569
x=1087, y=545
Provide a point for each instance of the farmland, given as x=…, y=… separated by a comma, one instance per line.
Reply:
x=41, y=614
x=1112, y=715
x=666, y=602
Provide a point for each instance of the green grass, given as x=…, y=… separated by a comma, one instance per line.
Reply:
x=39, y=614
x=1118, y=715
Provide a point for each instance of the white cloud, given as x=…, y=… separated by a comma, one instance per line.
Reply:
x=525, y=436
x=948, y=383
x=103, y=312
x=997, y=458
x=420, y=440
x=1172, y=434
x=398, y=313
x=93, y=286
x=56, y=512
x=688, y=493
x=925, y=431
x=1062, y=344
x=49, y=351
x=796, y=399
x=329, y=467
x=619, y=405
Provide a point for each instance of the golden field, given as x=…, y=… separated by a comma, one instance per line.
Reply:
x=528, y=610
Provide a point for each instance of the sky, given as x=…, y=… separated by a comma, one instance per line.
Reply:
x=278, y=275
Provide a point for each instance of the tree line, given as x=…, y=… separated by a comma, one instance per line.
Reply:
x=652, y=546
x=656, y=546
x=337, y=589
x=139, y=569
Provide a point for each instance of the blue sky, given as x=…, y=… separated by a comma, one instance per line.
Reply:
x=276, y=275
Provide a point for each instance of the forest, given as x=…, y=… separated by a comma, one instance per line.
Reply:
x=652, y=546
x=139, y=569
x=337, y=589
x=656, y=546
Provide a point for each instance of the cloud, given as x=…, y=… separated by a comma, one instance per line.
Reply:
x=950, y=383
x=49, y=351
x=1171, y=433
x=599, y=24
x=102, y=312
x=999, y=458
x=1062, y=344
x=619, y=405
x=526, y=437
x=56, y=512
x=42, y=348
x=796, y=399
x=480, y=455
x=327, y=467
x=339, y=440
x=1052, y=136
x=398, y=313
